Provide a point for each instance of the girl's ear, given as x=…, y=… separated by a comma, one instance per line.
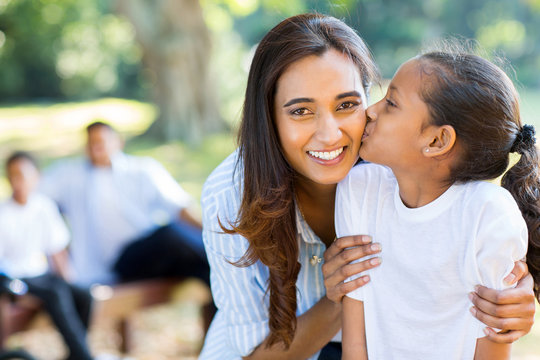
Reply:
x=442, y=140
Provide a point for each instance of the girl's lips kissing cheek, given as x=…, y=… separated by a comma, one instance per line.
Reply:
x=365, y=135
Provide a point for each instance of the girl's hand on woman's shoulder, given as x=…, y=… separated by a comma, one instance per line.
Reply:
x=337, y=265
x=511, y=310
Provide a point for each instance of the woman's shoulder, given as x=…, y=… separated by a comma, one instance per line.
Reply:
x=221, y=193
x=224, y=177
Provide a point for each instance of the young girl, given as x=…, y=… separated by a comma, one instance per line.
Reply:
x=447, y=121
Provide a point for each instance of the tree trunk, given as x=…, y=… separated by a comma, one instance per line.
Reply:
x=176, y=50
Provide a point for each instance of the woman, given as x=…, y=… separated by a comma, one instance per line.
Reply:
x=268, y=209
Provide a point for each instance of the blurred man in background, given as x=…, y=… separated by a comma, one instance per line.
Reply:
x=129, y=218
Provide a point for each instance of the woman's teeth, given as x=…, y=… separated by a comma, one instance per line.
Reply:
x=326, y=155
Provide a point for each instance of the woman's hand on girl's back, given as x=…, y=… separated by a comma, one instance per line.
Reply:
x=337, y=265
x=511, y=310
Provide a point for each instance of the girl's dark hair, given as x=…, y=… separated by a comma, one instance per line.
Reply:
x=480, y=102
x=266, y=216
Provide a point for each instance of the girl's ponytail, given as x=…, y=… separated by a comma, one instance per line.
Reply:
x=523, y=182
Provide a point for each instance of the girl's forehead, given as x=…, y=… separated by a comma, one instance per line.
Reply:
x=408, y=75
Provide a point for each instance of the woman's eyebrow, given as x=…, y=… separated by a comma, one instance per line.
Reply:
x=304, y=100
x=348, y=94
x=298, y=100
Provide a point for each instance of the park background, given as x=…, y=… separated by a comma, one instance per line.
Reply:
x=170, y=76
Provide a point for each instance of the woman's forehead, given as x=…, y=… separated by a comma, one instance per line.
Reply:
x=331, y=72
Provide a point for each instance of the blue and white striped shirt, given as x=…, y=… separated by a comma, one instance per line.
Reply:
x=241, y=323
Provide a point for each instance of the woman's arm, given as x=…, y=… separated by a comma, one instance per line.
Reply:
x=488, y=350
x=337, y=265
x=315, y=328
x=354, y=330
x=511, y=310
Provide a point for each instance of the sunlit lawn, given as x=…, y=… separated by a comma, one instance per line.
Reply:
x=53, y=131
x=528, y=347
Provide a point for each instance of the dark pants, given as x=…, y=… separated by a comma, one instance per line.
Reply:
x=16, y=355
x=69, y=307
x=332, y=351
x=174, y=250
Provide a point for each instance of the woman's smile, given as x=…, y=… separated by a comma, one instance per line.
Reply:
x=328, y=157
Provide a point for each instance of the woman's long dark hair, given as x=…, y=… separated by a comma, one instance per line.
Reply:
x=480, y=102
x=266, y=216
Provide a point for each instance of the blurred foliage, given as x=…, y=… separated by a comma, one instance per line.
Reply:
x=69, y=49
x=396, y=30
x=66, y=49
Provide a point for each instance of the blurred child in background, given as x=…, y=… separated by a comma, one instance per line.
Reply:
x=32, y=237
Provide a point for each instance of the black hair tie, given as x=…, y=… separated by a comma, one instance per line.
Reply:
x=525, y=139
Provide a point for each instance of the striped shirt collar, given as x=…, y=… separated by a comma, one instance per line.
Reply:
x=304, y=230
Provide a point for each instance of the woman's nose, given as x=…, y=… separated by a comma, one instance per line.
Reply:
x=329, y=131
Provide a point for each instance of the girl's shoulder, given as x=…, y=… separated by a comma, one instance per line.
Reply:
x=365, y=172
x=490, y=203
x=482, y=194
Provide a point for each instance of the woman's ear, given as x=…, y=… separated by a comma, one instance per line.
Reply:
x=442, y=139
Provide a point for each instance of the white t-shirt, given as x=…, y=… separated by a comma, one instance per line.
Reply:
x=28, y=234
x=416, y=304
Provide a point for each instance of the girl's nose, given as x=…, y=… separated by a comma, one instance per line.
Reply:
x=371, y=113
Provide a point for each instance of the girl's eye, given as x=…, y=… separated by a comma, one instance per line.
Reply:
x=347, y=105
x=390, y=103
x=300, y=112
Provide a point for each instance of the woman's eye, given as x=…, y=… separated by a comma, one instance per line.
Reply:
x=390, y=103
x=301, y=111
x=347, y=105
